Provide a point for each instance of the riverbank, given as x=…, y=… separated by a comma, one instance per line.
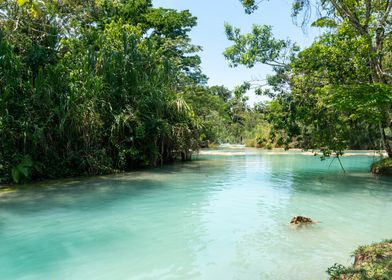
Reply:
x=382, y=167
x=225, y=150
x=370, y=262
x=239, y=150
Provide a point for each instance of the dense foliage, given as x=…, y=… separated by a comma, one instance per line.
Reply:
x=335, y=94
x=90, y=87
x=98, y=86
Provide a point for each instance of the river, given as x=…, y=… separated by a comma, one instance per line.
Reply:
x=223, y=216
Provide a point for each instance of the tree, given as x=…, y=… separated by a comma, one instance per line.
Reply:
x=91, y=87
x=346, y=71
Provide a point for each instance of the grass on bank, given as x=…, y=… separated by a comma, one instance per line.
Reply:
x=371, y=262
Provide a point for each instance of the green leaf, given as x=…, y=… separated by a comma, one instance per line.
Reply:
x=15, y=175
x=324, y=22
x=22, y=2
x=24, y=170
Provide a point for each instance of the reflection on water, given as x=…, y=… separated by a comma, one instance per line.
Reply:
x=219, y=217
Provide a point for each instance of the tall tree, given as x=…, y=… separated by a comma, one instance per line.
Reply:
x=359, y=39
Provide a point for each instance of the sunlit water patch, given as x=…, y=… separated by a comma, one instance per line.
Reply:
x=219, y=217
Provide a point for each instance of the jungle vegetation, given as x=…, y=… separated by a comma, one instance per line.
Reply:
x=335, y=94
x=98, y=86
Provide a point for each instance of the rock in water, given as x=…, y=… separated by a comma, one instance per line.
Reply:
x=301, y=220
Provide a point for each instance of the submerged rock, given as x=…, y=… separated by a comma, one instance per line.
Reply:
x=382, y=167
x=301, y=220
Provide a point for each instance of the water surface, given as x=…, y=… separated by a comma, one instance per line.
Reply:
x=219, y=217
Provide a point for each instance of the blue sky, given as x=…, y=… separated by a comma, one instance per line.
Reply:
x=209, y=33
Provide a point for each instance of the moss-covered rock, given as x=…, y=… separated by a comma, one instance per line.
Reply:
x=371, y=262
x=382, y=167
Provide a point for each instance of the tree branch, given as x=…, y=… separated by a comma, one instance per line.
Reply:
x=386, y=14
x=368, y=5
x=351, y=17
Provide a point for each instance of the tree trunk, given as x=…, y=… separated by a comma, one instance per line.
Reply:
x=385, y=140
x=376, y=42
x=186, y=155
x=162, y=151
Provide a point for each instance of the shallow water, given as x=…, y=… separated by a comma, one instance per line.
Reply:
x=219, y=217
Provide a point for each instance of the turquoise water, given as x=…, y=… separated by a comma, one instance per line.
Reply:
x=219, y=217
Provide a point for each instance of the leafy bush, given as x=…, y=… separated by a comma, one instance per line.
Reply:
x=382, y=167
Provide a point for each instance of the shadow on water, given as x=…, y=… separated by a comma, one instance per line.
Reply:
x=82, y=193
